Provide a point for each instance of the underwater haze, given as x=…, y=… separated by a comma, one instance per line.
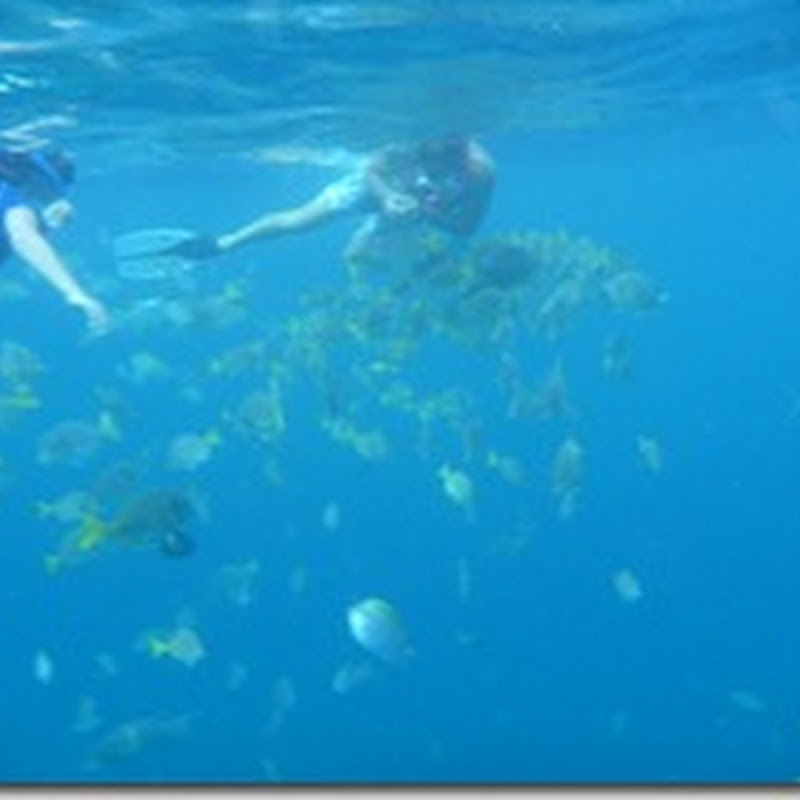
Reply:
x=519, y=512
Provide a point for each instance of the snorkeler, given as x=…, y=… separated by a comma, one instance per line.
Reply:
x=29, y=178
x=446, y=183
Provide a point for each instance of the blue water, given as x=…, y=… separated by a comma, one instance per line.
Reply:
x=664, y=130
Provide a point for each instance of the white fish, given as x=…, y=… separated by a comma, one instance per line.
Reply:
x=650, y=453
x=331, y=517
x=182, y=644
x=377, y=627
x=627, y=586
x=746, y=700
x=43, y=668
x=351, y=675
x=86, y=718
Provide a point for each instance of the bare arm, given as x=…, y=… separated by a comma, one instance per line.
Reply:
x=31, y=246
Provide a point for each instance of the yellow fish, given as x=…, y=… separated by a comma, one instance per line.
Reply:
x=183, y=645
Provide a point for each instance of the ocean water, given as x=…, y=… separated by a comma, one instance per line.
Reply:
x=633, y=621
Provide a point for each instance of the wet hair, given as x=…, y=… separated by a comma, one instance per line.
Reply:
x=445, y=155
x=46, y=170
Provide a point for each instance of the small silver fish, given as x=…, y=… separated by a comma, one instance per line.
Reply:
x=377, y=627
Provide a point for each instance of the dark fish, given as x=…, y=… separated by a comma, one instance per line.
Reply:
x=177, y=543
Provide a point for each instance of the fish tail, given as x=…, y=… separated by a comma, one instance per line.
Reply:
x=53, y=563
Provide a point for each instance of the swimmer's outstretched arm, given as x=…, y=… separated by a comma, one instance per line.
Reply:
x=33, y=248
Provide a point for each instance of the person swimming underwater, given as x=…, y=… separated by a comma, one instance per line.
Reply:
x=445, y=182
x=33, y=187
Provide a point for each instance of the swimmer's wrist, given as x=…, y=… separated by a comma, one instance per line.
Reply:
x=76, y=297
x=225, y=243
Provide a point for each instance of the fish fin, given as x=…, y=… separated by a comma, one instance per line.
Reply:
x=92, y=532
x=157, y=647
x=108, y=427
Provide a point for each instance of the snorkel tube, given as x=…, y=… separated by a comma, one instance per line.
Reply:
x=49, y=171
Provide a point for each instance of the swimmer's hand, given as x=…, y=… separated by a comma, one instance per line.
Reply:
x=57, y=214
x=97, y=317
x=198, y=248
